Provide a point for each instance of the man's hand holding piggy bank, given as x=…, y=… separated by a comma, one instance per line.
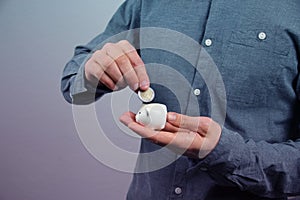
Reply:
x=195, y=137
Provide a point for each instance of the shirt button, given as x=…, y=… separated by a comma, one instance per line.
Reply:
x=178, y=190
x=197, y=92
x=208, y=42
x=262, y=36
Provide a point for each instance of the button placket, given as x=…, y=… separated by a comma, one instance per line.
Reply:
x=179, y=181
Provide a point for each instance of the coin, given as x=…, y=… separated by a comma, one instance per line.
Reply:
x=147, y=95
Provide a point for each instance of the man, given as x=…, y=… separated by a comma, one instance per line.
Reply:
x=255, y=44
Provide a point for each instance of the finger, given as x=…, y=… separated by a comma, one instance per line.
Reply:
x=171, y=128
x=109, y=67
x=142, y=75
x=180, y=142
x=197, y=124
x=183, y=121
x=114, y=73
x=137, y=64
x=176, y=145
x=186, y=141
x=127, y=118
x=95, y=74
x=130, y=77
x=90, y=69
x=108, y=82
x=124, y=65
x=159, y=137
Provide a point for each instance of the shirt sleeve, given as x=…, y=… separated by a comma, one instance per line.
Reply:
x=265, y=169
x=74, y=86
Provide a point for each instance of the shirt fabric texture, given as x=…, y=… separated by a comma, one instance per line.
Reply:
x=256, y=46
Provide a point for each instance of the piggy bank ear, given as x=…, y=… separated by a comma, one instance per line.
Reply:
x=148, y=111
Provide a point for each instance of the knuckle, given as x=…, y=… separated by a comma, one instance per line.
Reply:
x=123, y=42
x=141, y=71
x=154, y=139
x=130, y=77
x=101, y=59
x=96, y=54
x=206, y=120
x=184, y=121
x=139, y=63
x=106, y=61
x=126, y=46
x=205, y=123
x=108, y=45
x=122, y=60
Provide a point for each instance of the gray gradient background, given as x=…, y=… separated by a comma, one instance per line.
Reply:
x=41, y=156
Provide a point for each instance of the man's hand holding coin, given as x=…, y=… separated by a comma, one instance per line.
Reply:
x=117, y=65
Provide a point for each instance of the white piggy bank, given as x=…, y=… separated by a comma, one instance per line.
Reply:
x=152, y=115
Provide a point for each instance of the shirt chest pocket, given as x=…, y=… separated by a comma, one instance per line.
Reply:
x=251, y=64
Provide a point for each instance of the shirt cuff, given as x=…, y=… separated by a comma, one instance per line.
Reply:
x=80, y=84
x=226, y=150
x=224, y=158
x=82, y=91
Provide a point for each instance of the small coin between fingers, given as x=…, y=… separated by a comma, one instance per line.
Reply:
x=147, y=95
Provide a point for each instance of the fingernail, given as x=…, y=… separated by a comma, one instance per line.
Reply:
x=135, y=86
x=144, y=84
x=115, y=88
x=171, y=117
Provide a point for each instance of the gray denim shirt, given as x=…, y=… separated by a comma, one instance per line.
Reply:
x=256, y=47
